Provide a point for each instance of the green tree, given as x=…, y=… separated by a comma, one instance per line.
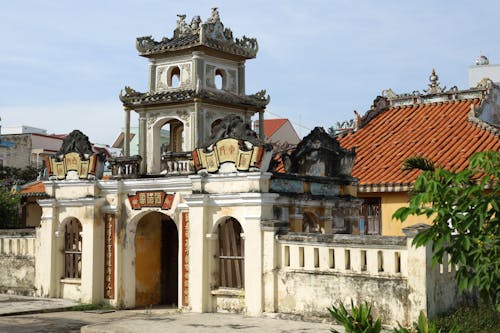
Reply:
x=9, y=209
x=10, y=203
x=10, y=176
x=465, y=208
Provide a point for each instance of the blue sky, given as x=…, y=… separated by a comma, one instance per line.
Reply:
x=63, y=63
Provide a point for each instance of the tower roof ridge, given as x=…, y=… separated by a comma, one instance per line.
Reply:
x=211, y=34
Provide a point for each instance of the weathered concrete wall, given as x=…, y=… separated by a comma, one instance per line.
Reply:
x=19, y=155
x=17, y=262
x=17, y=275
x=311, y=293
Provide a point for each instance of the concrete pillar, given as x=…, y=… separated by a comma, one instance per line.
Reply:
x=152, y=76
x=199, y=288
x=253, y=266
x=269, y=265
x=126, y=134
x=198, y=70
x=419, y=263
x=92, y=279
x=199, y=118
x=241, y=78
x=261, y=125
x=143, y=143
x=46, y=265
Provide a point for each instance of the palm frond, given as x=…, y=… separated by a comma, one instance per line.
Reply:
x=417, y=163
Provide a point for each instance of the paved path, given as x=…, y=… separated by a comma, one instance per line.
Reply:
x=20, y=314
x=13, y=304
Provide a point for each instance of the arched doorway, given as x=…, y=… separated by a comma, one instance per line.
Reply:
x=156, y=260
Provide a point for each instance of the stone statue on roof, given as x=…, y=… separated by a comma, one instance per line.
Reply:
x=214, y=16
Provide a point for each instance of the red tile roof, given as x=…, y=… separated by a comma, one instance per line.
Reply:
x=439, y=131
x=272, y=125
x=33, y=190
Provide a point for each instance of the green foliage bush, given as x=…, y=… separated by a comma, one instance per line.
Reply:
x=9, y=209
x=424, y=326
x=480, y=318
x=465, y=207
x=359, y=320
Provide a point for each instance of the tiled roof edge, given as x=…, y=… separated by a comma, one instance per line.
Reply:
x=386, y=187
x=129, y=97
x=483, y=124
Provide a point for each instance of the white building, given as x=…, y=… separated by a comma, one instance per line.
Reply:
x=207, y=226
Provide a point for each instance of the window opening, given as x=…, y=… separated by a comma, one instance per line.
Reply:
x=231, y=254
x=363, y=260
x=380, y=261
x=73, y=249
x=174, y=79
x=219, y=79
x=371, y=213
x=331, y=258
x=287, y=256
x=316, y=257
x=397, y=262
x=301, y=256
x=347, y=259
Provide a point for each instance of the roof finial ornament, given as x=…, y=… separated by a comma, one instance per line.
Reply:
x=434, y=87
x=214, y=17
x=482, y=60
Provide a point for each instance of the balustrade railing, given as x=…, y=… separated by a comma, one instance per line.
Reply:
x=177, y=163
x=125, y=166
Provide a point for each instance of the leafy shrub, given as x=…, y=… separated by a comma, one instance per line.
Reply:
x=480, y=318
x=424, y=326
x=9, y=209
x=360, y=321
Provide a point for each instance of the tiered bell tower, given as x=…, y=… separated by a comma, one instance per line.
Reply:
x=196, y=78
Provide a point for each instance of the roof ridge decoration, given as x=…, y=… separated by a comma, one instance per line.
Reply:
x=320, y=154
x=436, y=93
x=210, y=33
x=232, y=147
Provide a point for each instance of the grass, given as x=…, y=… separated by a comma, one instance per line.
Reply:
x=478, y=319
x=89, y=307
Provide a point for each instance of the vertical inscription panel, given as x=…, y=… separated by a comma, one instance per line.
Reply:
x=109, y=256
x=185, y=259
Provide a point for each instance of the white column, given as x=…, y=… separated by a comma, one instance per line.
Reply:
x=126, y=134
x=269, y=265
x=261, y=125
x=143, y=143
x=253, y=266
x=92, y=260
x=419, y=271
x=199, y=288
x=46, y=279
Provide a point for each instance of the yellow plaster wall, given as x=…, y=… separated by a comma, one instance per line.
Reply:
x=148, y=261
x=390, y=203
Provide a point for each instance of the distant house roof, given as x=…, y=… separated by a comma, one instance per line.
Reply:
x=35, y=189
x=272, y=125
x=442, y=126
x=119, y=140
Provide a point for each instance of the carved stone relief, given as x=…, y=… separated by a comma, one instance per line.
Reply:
x=161, y=77
x=152, y=119
x=184, y=115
